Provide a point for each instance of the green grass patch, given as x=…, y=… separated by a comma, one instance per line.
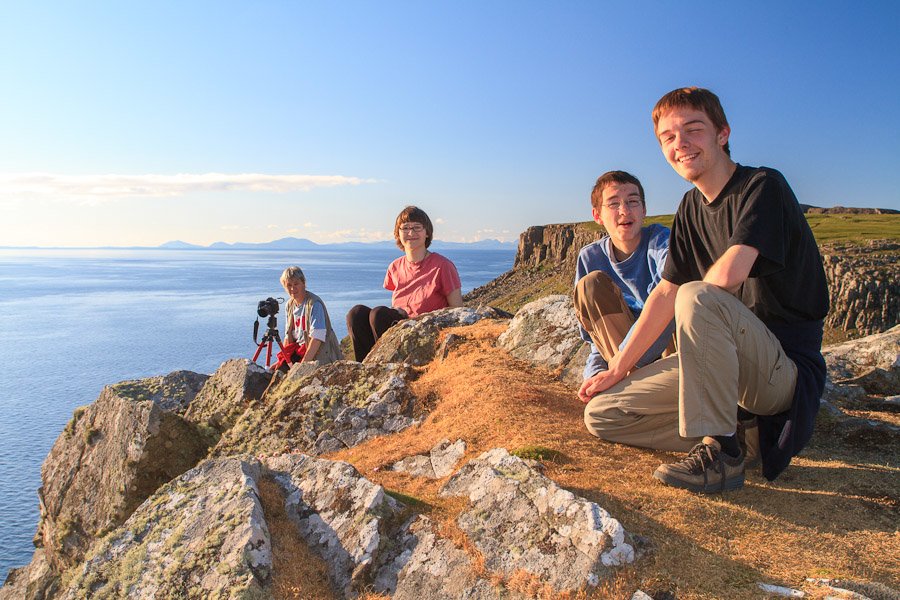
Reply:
x=854, y=228
x=540, y=453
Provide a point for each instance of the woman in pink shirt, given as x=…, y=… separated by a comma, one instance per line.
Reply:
x=421, y=281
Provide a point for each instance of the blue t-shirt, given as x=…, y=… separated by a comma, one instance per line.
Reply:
x=318, y=327
x=636, y=276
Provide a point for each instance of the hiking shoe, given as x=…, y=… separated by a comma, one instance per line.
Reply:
x=705, y=470
x=748, y=438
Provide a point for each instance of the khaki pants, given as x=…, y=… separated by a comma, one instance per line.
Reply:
x=727, y=357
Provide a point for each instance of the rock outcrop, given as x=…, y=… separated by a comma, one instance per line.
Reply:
x=336, y=406
x=111, y=456
x=522, y=521
x=415, y=341
x=864, y=287
x=545, y=333
x=235, y=386
x=207, y=534
x=203, y=535
x=436, y=464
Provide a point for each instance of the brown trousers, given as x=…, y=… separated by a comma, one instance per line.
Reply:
x=727, y=357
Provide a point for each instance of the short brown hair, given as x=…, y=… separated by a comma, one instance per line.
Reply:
x=698, y=99
x=413, y=214
x=609, y=178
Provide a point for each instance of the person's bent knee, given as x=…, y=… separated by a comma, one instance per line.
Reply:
x=357, y=315
x=696, y=295
x=602, y=419
x=599, y=289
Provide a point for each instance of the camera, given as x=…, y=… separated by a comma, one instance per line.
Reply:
x=267, y=307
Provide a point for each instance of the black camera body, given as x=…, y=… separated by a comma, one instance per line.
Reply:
x=267, y=307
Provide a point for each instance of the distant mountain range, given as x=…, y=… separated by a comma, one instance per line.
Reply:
x=292, y=243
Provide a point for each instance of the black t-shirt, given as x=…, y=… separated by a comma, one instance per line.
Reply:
x=755, y=208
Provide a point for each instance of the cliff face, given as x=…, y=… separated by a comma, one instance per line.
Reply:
x=554, y=244
x=863, y=279
x=864, y=286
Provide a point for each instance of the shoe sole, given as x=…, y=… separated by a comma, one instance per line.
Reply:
x=733, y=483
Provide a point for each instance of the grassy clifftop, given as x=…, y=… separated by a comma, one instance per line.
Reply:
x=842, y=235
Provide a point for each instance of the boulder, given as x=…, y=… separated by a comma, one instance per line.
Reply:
x=173, y=392
x=436, y=464
x=415, y=341
x=425, y=565
x=235, y=385
x=545, y=333
x=521, y=521
x=343, y=518
x=203, y=535
x=853, y=358
x=110, y=457
x=336, y=406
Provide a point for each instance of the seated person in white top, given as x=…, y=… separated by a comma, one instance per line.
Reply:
x=308, y=335
x=614, y=276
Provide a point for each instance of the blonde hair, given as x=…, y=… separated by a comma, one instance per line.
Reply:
x=292, y=273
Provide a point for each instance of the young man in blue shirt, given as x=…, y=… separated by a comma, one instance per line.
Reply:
x=614, y=277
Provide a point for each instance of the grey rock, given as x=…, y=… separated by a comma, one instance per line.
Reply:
x=336, y=406
x=522, y=521
x=853, y=358
x=573, y=373
x=445, y=455
x=545, y=333
x=427, y=566
x=111, y=456
x=439, y=462
x=415, y=341
x=780, y=590
x=235, y=385
x=173, y=392
x=203, y=534
x=342, y=516
x=864, y=590
x=877, y=381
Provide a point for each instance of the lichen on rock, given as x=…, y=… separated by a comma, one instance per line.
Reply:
x=203, y=535
x=522, y=521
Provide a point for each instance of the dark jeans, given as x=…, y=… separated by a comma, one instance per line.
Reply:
x=365, y=325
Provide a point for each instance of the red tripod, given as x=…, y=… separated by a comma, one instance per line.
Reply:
x=270, y=336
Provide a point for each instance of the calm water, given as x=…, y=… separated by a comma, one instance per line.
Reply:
x=72, y=321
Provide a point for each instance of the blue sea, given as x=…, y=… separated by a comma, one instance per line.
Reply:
x=72, y=321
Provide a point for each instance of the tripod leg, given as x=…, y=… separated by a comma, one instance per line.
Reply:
x=269, y=354
x=259, y=348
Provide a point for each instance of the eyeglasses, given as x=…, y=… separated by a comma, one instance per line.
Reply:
x=415, y=228
x=629, y=204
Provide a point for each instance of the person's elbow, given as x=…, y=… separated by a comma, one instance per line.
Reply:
x=454, y=298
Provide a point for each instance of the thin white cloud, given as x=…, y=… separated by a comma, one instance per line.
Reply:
x=354, y=235
x=98, y=188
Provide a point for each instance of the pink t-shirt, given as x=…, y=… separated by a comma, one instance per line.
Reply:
x=423, y=286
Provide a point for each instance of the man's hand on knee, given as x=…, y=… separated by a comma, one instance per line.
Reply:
x=600, y=382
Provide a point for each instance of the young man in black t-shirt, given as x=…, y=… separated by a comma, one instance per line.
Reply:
x=745, y=282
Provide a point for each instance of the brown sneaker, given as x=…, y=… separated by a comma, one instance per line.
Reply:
x=705, y=470
x=748, y=438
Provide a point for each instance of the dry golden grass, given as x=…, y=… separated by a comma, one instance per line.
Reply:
x=296, y=571
x=833, y=513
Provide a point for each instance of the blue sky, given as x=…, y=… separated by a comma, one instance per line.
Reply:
x=128, y=123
